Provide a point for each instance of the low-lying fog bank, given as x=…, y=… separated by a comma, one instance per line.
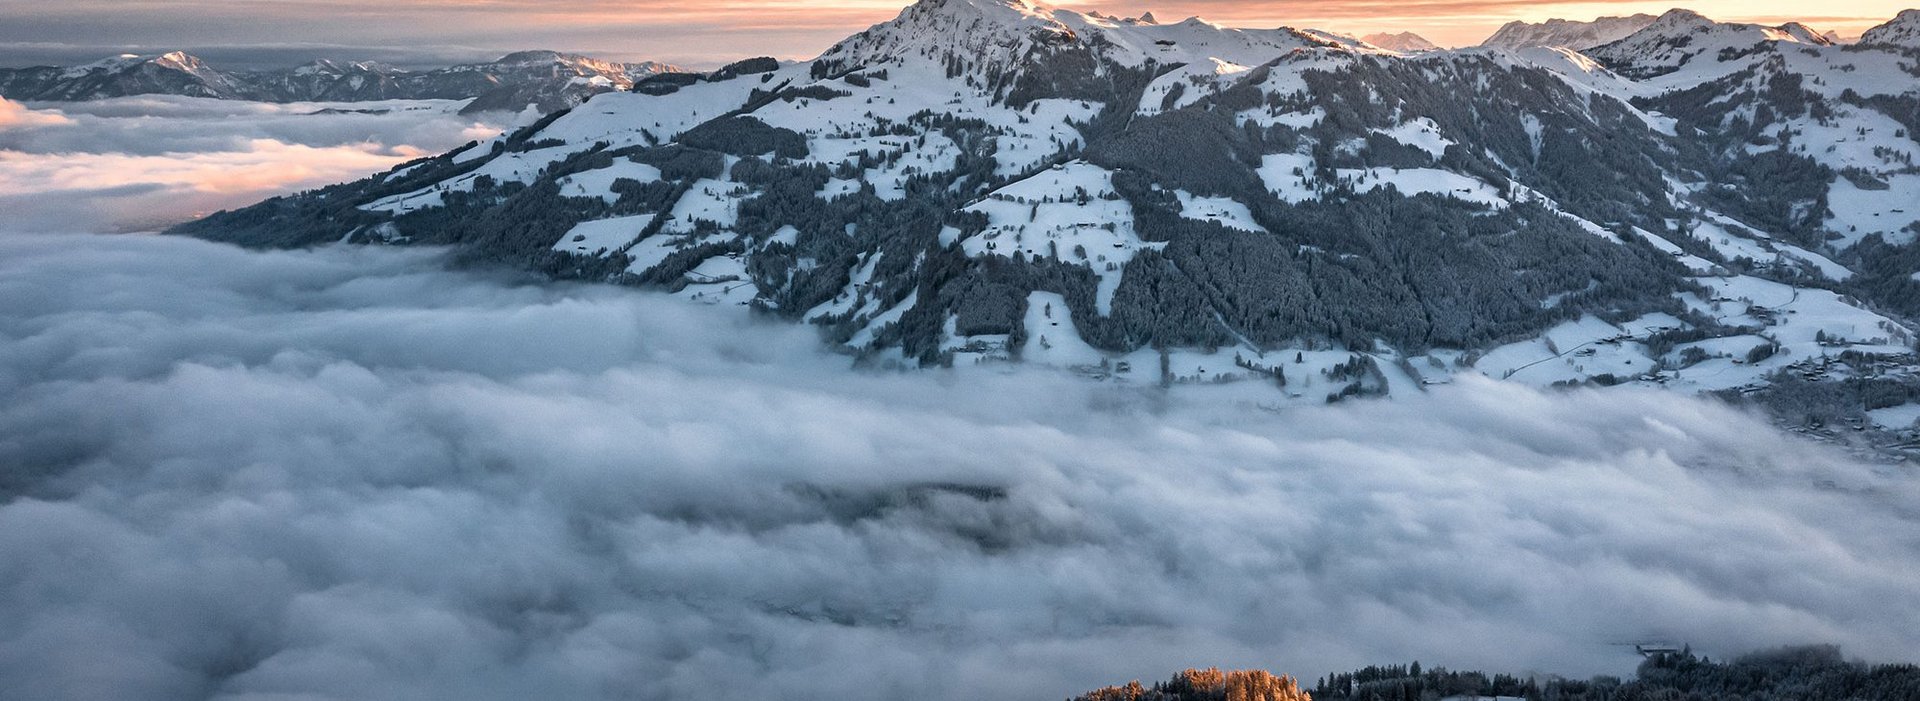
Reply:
x=348, y=473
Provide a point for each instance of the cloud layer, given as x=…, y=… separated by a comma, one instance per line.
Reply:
x=149, y=162
x=346, y=473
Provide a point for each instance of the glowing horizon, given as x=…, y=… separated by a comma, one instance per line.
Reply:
x=716, y=32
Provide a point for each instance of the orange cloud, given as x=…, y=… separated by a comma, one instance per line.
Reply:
x=130, y=192
x=152, y=167
x=14, y=114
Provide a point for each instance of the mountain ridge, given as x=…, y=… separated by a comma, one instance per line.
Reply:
x=1404, y=42
x=1677, y=38
x=1903, y=31
x=548, y=80
x=1572, y=34
x=1283, y=205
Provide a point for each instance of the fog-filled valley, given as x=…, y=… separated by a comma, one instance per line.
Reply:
x=350, y=473
x=148, y=162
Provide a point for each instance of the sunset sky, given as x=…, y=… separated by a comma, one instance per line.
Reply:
x=706, y=33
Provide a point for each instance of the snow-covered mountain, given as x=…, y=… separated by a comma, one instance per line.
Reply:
x=1578, y=36
x=1404, y=42
x=1680, y=37
x=979, y=181
x=1902, y=31
x=548, y=80
x=173, y=73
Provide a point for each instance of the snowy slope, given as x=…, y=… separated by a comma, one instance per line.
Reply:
x=982, y=181
x=1903, y=30
x=1686, y=42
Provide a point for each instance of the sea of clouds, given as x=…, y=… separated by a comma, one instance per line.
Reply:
x=350, y=473
x=145, y=163
x=353, y=473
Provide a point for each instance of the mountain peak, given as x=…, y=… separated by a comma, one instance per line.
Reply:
x=188, y=63
x=1902, y=30
x=1682, y=16
x=979, y=32
x=1681, y=39
x=1027, y=8
x=1805, y=34
x=1404, y=42
x=1678, y=21
x=539, y=56
x=330, y=67
x=174, y=60
x=999, y=39
x=1579, y=36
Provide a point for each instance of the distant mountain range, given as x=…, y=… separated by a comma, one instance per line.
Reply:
x=547, y=80
x=1578, y=36
x=1582, y=36
x=1709, y=206
x=1405, y=42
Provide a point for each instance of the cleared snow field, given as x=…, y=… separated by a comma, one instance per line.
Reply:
x=1731, y=246
x=1891, y=213
x=1733, y=240
x=709, y=200
x=1575, y=351
x=1071, y=214
x=664, y=118
x=1051, y=336
x=1421, y=133
x=654, y=250
x=1273, y=117
x=599, y=183
x=1289, y=176
x=1896, y=418
x=720, y=280
x=1427, y=181
x=1225, y=211
x=1694, y=263
x=603, y=237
